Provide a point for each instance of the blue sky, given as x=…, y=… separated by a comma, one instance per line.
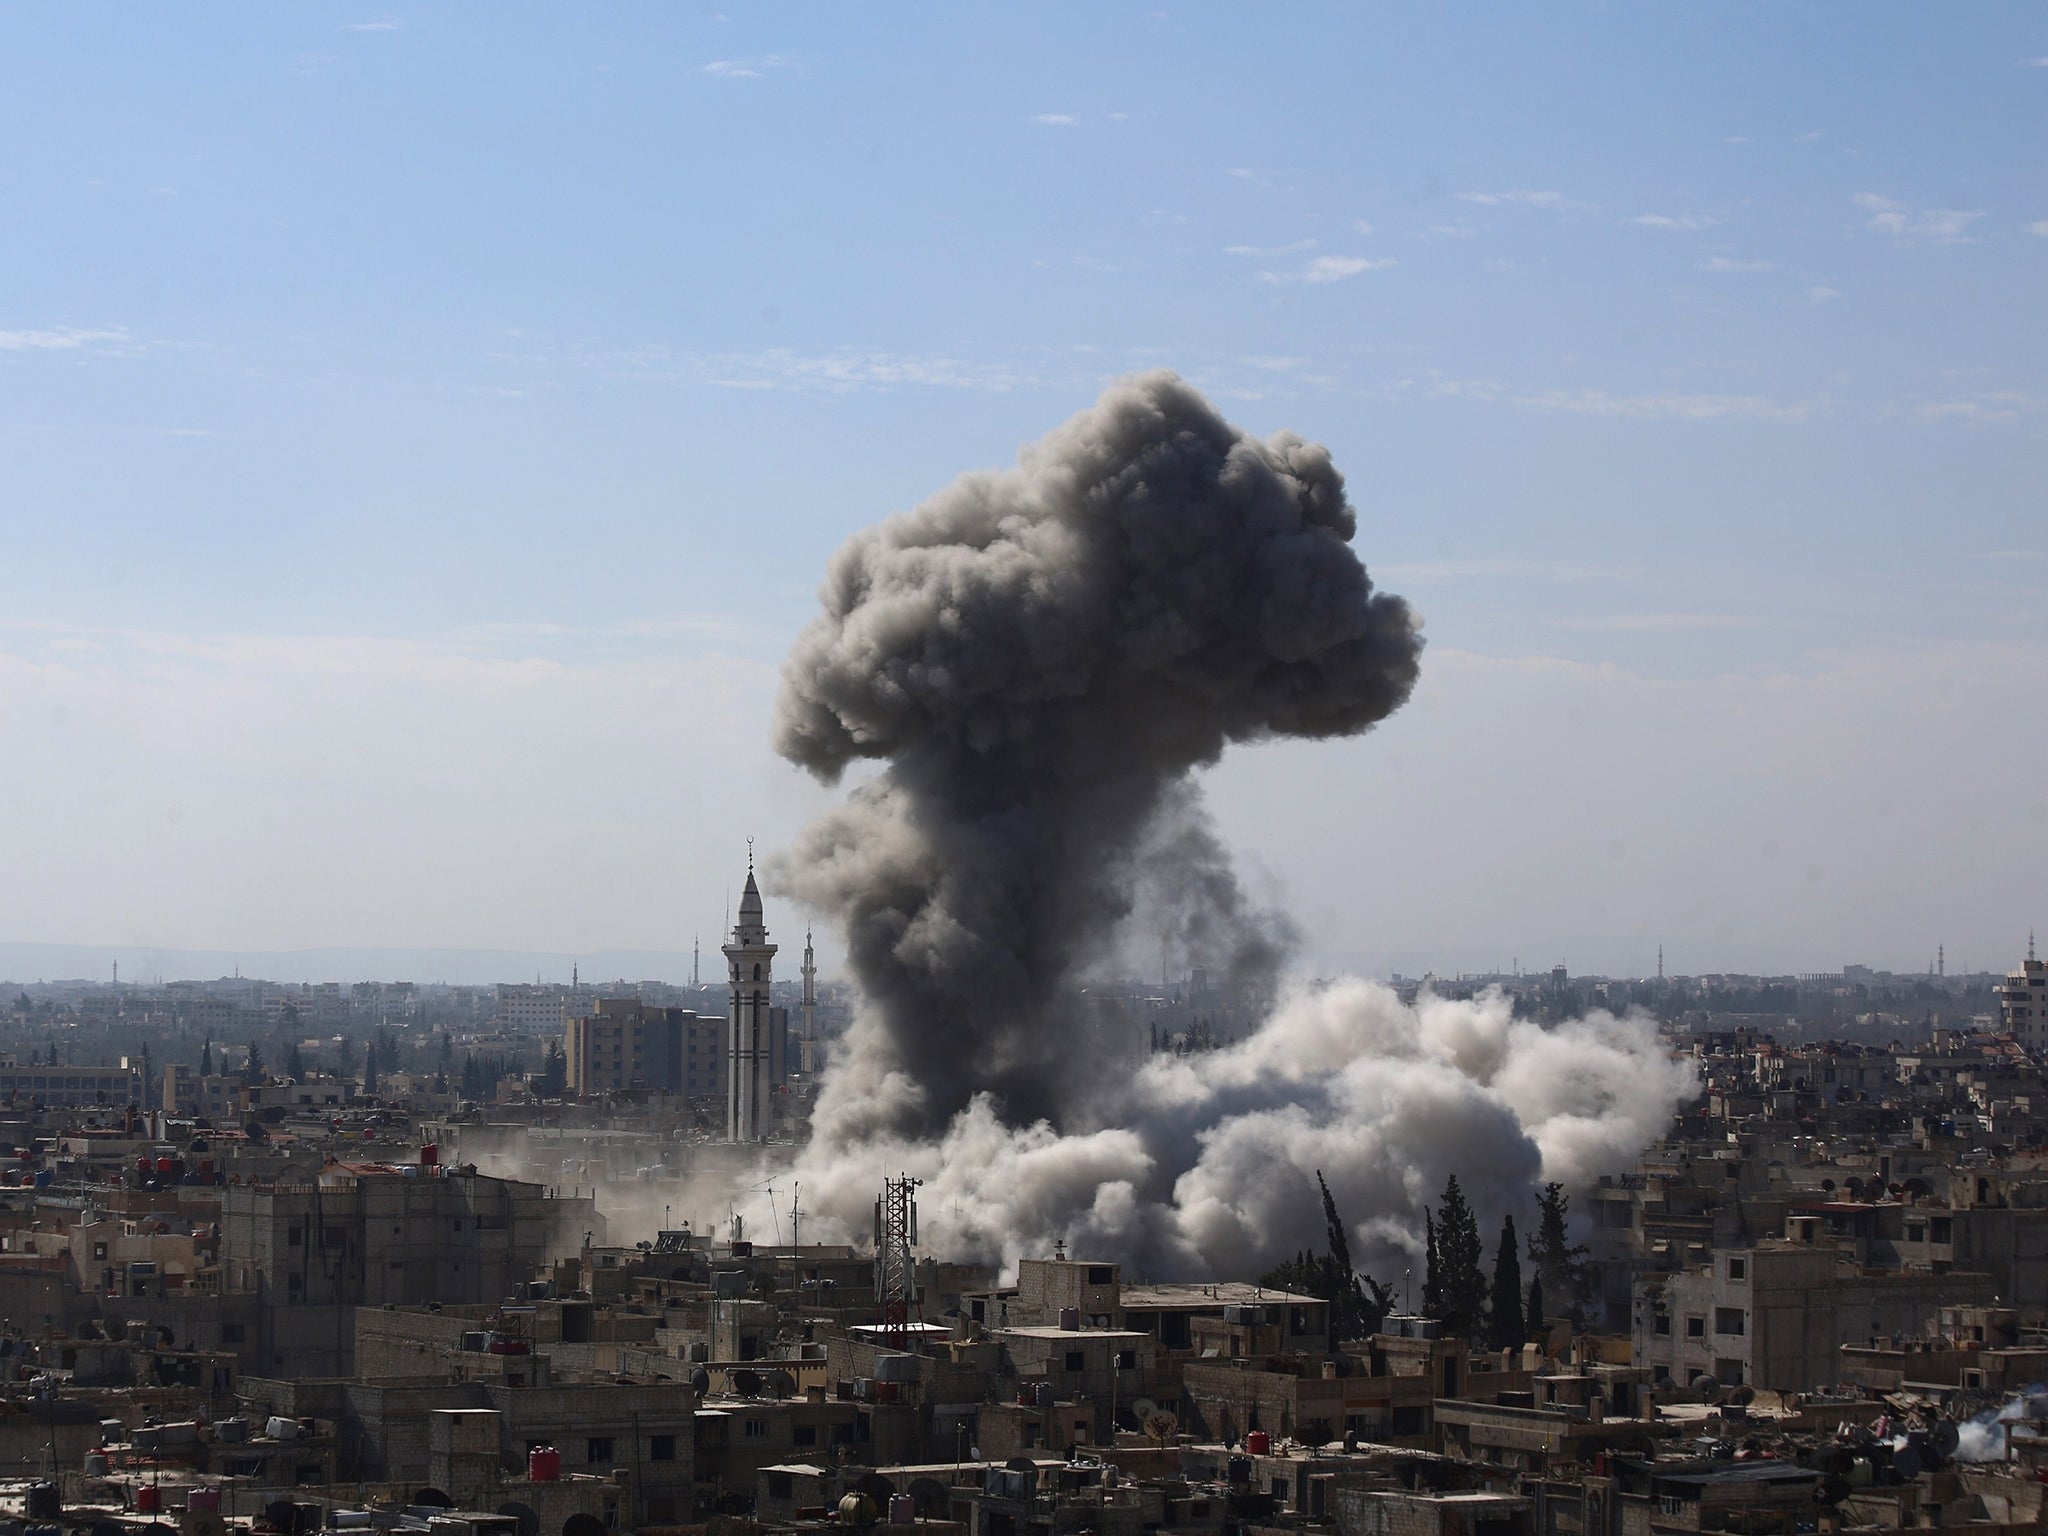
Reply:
x=422, y=429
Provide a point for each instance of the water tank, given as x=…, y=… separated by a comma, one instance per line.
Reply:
x=856, y=1509
x=281, y=1428
x=95, y=1463
x=163, y=1167
x=1027, y=1396
x=902, y=1509
x=430, y=1155
x=149, y=1499
x=232, y=1431
x=544, y=1465
x=1070, y=1319
x=203, y=1501
x=44, y=1178
x=896, y=1368
x=1259, y=1443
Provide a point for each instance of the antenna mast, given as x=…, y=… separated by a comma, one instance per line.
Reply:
x=895, y=1271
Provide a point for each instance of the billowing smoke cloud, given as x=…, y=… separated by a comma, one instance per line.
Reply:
x=1040, y=658
x=1211, y=1169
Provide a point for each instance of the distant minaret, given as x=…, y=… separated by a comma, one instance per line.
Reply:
x=750, y=961
x=696, y=955
x=1660, y=962
x=575, y=976
x=810, y=974
x=1941, y=959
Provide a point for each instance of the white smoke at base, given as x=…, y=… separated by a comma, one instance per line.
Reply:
x=1204, y=1165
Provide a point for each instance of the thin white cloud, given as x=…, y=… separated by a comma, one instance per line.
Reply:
x=1673, y=221
x=2040, y=63
x=1446, y=232
x=1821, y=293
x=2039, y=227
x=371, y=26
x=1991, y=407
x=1938, y=226
x=1361, y=226
x=749, y=69
x=1294, y=248
x=1330, y=269
x=64, y=338
x=1056, y=120
x=1735, y=264
x=1545, y=198
x=1674, y=406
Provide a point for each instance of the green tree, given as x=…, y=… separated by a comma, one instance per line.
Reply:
x=1504, y=1325
x=1461, y=1288
x=554, y=1071
x=148, y=1074
x=206, y=1059
x=1532, y=1314
x=345, y=1056
x=370, y=1055
x=1559, y=1263
x=294, y=1063
x=252, y=1071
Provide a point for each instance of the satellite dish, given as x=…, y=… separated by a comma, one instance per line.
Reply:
x=1144, y=1408
x=700, y=1381
x=1944, y=1438
x=1706, y=1388
x=779, y=1384
x=1740, y=1397
x=526, y=1515
x=1160, y=1426
x=746, y=1383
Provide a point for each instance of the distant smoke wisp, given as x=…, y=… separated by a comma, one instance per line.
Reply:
x=1040, y=658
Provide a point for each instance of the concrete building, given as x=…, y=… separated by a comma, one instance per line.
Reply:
x=625, y=1045
x=70, y=1087
x=365, y=1235
x=2023, y=1001
x=532, y=1010
x=754, y=1043
x=1777, y=1315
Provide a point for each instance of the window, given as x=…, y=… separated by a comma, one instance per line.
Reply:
x=1728, y=1320
x=1076, y=1360
x=803, y=1434
x=1738, y=1269
x=1695, y=1327
x=1663, y=1323
x=1127, y=1359
x=1101, y=1274
x=99, y=1250
x=232, y=1333
x=292, y=1237
x=598, y=1450
x=757, y=1429
x=661, y=1448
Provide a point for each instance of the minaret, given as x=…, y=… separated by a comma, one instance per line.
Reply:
x=810, y=998
x=750, y=960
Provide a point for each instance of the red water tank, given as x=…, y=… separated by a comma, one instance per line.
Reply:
x=430, y=1155
x=203, y=1501
x=543, y=1465
x=163, y=1167
x=1259, y=1443
x=149, y=1500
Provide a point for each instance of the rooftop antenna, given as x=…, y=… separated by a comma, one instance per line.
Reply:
x=696, y=957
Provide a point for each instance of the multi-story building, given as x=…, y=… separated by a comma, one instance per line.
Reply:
x=368, y=1234
x=2023, y=1001
x=532, y=1010
x=70, y=1087
x=625, y=1044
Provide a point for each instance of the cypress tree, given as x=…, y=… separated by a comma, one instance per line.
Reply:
x=1532, y=1315
x=1461, y=1289
x=1560, y=1264
x=1504, y=1328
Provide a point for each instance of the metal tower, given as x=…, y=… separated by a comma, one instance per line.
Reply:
x=895, y=1271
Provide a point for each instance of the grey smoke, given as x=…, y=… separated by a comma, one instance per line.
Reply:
x=1040, y=659
x=1041, y=656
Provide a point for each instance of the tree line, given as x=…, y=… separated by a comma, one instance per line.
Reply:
x=1499, y=1311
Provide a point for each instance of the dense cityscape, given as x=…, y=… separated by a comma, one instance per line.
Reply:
x=353, y=1256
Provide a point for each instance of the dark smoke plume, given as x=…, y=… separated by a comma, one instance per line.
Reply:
x=1040, y=657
